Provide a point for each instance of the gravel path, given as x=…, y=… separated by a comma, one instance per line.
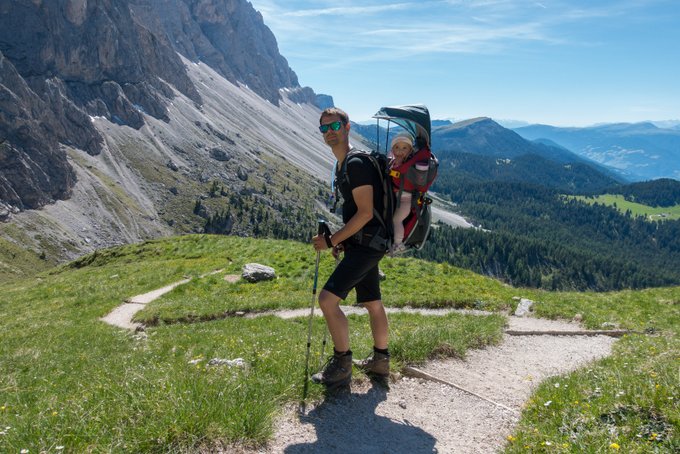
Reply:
x=422, y=416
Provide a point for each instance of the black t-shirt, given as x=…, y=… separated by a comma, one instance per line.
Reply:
x=360, y=172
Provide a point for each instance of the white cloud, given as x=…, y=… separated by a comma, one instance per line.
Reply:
x=351, y=10
x=333, y=36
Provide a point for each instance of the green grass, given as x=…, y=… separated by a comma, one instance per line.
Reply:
x=408, y=282
x=70, y=380
x=637, y=209
x=628, y=402
x=18, y=262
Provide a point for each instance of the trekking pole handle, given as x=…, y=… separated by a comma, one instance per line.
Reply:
x=326, y=232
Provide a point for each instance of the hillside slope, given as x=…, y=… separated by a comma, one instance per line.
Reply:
x=122, y=121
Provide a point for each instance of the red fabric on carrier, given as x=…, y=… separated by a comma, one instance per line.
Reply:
x=421, y=155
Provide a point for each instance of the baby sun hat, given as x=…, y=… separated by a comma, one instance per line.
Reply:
x=402, y=137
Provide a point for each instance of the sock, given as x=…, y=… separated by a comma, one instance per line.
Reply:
x=337, y=353
x=384, y=351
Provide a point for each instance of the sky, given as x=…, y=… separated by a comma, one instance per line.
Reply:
x=563, y=63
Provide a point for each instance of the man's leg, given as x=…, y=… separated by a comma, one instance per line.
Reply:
x=378, y=364
x=335, y=319
x=379, y=326
x=338, y=369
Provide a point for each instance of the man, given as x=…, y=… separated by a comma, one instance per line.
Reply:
x=361, y=190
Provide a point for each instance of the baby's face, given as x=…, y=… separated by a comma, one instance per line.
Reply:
x=401, y=149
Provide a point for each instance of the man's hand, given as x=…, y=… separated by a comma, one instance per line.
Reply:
x=337, y=250
x=319, y=243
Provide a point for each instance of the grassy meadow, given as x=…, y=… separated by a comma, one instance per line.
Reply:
x=71, y=383
x=636, y=209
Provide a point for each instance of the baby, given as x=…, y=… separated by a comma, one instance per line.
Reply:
x=401, y=149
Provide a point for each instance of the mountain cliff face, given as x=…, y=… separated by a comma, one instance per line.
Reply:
x=124, y=120
x=65, y=61
x=228, y=35
x=33, y=170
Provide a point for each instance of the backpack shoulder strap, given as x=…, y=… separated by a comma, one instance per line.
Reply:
x=383, y=218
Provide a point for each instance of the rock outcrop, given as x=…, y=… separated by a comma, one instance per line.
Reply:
x=228, y=35
x=65, y=62
x=324, y=101
x=33, y=169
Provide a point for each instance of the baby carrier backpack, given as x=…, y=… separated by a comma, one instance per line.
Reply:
x=416, y=174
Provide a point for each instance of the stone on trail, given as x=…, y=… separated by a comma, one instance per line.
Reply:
x=524, y=307
x=254, y=272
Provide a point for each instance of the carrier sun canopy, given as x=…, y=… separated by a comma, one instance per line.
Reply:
x=415, y=119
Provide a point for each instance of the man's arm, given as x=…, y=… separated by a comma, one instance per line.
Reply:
x=363, y=198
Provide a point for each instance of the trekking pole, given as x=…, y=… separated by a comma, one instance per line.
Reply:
x=326, y=231
x=320, y=231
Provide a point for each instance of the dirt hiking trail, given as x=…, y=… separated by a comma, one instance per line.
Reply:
x=462, y=406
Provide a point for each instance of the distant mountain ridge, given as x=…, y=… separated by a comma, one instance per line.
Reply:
x=485, y=137
x=637, y=151
x=481, y=149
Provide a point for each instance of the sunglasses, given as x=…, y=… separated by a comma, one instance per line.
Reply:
x=335, y=126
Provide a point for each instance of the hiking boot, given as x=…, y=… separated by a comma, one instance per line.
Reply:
x=336, y=372
x=377, y=364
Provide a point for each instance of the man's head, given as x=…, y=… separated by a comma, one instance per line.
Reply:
x=334, y=111
x=334, y=125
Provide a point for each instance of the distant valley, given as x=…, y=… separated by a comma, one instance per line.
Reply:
x=636, y=151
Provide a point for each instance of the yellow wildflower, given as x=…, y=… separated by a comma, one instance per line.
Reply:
x=615, y=446
x=511, y=438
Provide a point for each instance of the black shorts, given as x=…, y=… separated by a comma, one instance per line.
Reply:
x=357, y=270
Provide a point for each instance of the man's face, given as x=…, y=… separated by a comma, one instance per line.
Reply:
x=331, y=137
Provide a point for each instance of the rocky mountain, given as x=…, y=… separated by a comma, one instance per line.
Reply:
x=480, y=148
x=637, y=151
x=227, y=35
x=485, y=137
x=122, y=120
